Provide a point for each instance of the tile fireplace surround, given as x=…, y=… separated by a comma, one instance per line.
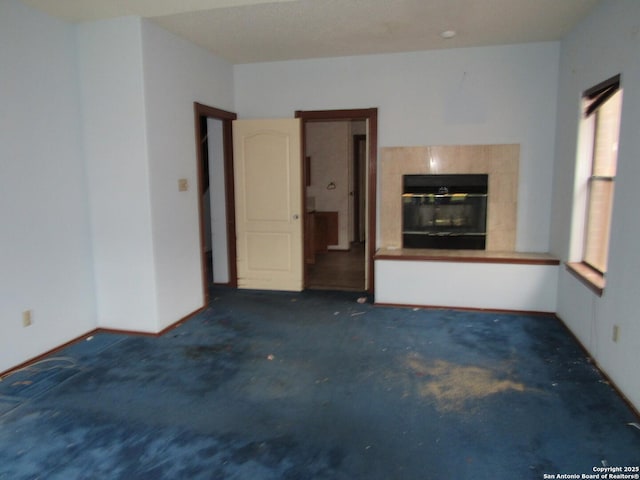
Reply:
x=500, y=162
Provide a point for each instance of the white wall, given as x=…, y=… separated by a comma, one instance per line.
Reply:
x=97, y=126
x=520, y=287
x=113, y=115
x=45, y=248
x=139, y=83
x=606, y=43
x=176, y=74
x=489, y=95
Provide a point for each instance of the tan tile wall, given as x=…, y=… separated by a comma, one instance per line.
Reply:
x=500, y=162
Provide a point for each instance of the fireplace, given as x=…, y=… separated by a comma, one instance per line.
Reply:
x=444, y=211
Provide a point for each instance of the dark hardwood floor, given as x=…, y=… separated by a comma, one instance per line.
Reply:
x=338, y=270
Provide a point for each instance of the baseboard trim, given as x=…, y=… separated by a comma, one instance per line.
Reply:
x=95, y=331
x=635, y=410
x=466, y=309
x=176, y=324
x=42, y=356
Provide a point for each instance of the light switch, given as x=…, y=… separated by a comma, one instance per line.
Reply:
x=26, y=318
x=183, y=185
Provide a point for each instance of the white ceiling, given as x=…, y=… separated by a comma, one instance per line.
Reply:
x=247, y=31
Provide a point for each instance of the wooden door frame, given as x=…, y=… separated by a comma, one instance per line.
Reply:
x=357, y=139
x=227, y=118
x=371, y=115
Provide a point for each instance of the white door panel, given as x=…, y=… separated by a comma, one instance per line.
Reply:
x=268, y=204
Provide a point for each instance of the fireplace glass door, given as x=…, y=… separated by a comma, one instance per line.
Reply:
x=444, y=211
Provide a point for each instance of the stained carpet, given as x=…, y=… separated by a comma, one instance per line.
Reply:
x=317, y=386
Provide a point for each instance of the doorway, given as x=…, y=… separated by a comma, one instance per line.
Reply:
x=340, y=189
x=216, y=203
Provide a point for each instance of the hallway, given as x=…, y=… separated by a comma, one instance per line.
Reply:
x=338, y=270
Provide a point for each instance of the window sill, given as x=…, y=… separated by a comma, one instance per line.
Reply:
x=591, y=278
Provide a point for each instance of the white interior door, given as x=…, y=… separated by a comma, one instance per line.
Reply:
x=268, y=188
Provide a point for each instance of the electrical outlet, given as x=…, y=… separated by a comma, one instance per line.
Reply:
x=26, y=318
x=183, y=185
x=616, y=333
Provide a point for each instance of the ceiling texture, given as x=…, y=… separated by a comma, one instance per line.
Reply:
x=249, y=31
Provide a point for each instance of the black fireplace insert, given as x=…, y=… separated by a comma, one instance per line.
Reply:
x=445, y=211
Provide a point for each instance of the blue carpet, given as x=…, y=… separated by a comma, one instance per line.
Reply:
x=317, y=386
x=7, y=404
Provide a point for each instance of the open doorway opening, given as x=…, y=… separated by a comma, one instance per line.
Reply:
x=216, y=196
x=340, y=178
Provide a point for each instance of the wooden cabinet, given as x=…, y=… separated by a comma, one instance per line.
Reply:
x=321, y=231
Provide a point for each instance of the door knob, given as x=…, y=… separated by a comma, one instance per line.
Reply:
x=296, y=216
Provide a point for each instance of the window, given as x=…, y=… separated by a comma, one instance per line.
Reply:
x=600, y=128
x=604, y=102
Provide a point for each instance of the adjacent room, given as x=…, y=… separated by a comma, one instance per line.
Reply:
x=319, y=239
